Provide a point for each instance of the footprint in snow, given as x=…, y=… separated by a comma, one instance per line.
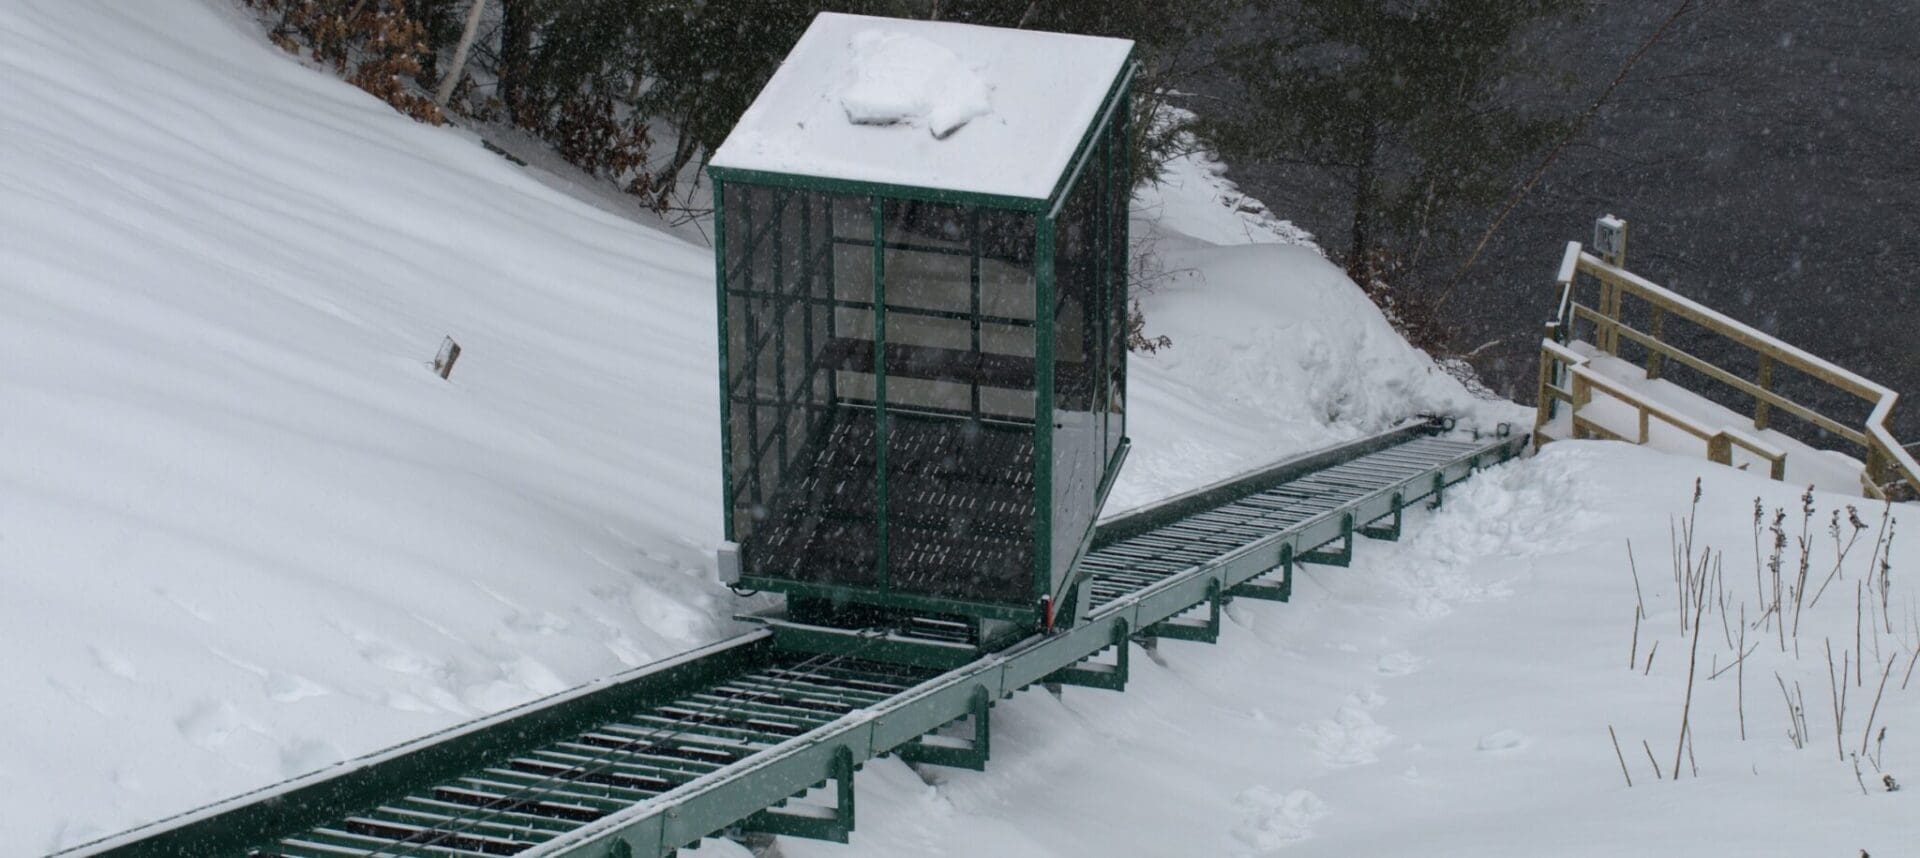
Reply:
x=289, y=687
x=115, y=663
x=1271, y=821
x=301, y=756
x=1350, y=738
x=209, y=724
x=1399, y=663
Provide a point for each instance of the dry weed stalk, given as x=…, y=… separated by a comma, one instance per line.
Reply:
x=1875, y=711
x=1693, y=659
x=1740, y=674
x=1806, y=559
x=1840, y=552
x=1793, y=715
x=1837, y=688
x=1620, y=756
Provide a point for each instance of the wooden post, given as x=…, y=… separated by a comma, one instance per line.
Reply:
x=1582, y=394
x=1720, y=449
x=1876, y=464
x=1643, y=424
x=1762, y=409
x=1655, y=357
x=1610, y=310
x=1546, y=402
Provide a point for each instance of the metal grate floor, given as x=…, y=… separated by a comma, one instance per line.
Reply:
x=1133, y=564
x=520, y=802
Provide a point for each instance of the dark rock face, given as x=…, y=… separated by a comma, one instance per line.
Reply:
x=1767, y=153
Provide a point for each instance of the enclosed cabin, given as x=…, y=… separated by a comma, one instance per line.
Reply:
x=922, y=247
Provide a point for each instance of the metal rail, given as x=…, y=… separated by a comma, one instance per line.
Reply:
x=720, y=739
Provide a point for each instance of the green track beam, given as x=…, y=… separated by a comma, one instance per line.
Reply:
x=945, y=751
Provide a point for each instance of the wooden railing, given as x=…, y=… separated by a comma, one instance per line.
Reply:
x=1566, y=377
x=1559, y=360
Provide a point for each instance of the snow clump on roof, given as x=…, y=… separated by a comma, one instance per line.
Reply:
x=902, y=79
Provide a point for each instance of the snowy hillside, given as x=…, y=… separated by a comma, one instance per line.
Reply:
x=245, y=532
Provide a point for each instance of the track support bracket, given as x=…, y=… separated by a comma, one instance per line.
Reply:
x=833, y=824
x=1343, y=556
x=946, y=751
x=1279, y=591
x=1089, y=674
x=1189, y=630
x=1388, y=532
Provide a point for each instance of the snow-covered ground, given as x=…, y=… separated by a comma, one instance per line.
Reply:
x=245, y=532
x=1451, y=694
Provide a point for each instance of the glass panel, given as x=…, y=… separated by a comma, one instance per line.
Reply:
x=802, y=462
x=960, y=378
x=1078, y=442
x=1119, y=209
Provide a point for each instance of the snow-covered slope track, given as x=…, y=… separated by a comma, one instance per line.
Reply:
x=722, y=738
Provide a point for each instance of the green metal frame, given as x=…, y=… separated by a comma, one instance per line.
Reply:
x=881, y=592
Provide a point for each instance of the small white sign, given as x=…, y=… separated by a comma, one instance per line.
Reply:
x=1610, y=239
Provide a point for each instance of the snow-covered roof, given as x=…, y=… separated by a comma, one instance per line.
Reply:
x=927, y=104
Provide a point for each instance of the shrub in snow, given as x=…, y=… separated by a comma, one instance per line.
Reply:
x=378, y=40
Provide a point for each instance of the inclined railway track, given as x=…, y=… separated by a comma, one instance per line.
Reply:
x=728, y=736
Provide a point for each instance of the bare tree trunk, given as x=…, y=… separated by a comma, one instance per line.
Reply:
x=459, y=64
x=516, y=49
x=1360, y=251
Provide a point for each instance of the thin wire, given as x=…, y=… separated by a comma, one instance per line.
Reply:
x=1540, y=171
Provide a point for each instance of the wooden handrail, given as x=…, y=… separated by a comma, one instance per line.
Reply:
x=1887, y=462
x=1756, y=391
x=1720, y=442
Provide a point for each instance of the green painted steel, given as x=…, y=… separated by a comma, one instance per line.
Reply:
x=881, y=477
x=655, y=760
x=1043, y=408
x=720, y=296
x=971, y=754
x=1090, y=674
x=876, y=189
x=1028, y=615
x=1052, y=593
